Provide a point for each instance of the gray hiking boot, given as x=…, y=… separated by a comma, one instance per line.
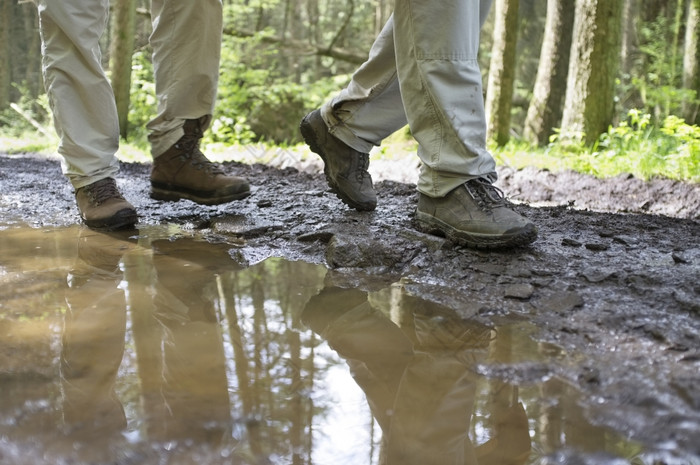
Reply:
x=102, y=206
x=183, y=172
x=345, y=168
x=475, y=215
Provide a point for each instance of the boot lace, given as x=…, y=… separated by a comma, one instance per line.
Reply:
x=361, y=166
x=487, y=196
x=189, y=147
x=102, y=191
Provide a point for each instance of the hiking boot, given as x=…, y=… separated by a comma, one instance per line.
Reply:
x=102, y=206
x=183, y=172
x=475, y=215
x=345, y=168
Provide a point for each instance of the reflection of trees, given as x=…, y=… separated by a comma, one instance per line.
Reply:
x=180, y=298
x=220, y=358
x=273, y=358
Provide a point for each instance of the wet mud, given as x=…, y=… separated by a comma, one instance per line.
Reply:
x=586, y=342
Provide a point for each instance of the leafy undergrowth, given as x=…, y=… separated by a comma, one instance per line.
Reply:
x=635, y=146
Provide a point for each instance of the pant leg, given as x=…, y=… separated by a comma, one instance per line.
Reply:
x=80, y=95
x=369, y=109
x=186, y=41
x=437, y=44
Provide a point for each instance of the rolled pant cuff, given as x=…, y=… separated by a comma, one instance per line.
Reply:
x=341, y=132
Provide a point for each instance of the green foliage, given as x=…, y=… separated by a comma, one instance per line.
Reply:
x=635, y=146
x=14, y=124
x=143, y=105
x=659, y=82
x=255, y=103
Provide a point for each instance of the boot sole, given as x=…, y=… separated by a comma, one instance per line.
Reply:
x=512, y=239
x=310, y=137
x=123, y=219
x=174, y=194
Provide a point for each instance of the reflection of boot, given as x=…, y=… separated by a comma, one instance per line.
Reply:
x=355, y=329
x=328, y=305
x=440, y=329
x=102, y=251
x=212, y=256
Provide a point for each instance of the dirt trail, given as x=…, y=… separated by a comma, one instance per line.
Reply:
x=613, y=280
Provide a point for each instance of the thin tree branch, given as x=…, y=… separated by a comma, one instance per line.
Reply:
x=302, y=47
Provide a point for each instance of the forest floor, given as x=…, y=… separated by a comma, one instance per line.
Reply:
x=613, y=279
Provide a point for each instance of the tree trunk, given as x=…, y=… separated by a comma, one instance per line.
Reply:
x=35, y=80
x=691, y=58
x=121, y=51
x=545, y=111
x=502, y=71
x=629, y=39
x=5, y=78
x=595, y=52
x=630, y=63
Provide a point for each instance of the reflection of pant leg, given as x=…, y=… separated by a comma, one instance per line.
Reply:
x=436, y=54
x=376, y=350
x=432, y=413
x=186, y=43
x=91, y=353
x=81, y=97
x=435, y=400
x=195, y=387
x=369, y=108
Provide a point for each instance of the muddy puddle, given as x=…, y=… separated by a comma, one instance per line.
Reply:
x=154, y=347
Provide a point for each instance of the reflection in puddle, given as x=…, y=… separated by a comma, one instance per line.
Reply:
x=155, y=347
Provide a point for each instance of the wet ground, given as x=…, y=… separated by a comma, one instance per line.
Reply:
x=286, y=328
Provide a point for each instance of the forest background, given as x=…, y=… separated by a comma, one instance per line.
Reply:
x=598, y=86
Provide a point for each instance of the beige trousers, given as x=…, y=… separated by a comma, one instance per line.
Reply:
x=422, y=70
x=186, y=41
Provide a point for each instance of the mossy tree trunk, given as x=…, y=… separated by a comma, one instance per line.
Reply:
x=121, y=50
x=499, y=93
x=5, y=77
x=595, y=53
x=545, y=110
x=691, y=58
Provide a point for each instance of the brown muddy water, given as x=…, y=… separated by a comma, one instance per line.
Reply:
x=154, y=347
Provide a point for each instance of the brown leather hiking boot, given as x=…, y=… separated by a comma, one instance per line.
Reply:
x=345, y=168
x=475, y=215
x=183, y=172
x=102, y=206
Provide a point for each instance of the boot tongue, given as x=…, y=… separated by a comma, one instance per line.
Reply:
x=189, y=142
x=193, y=127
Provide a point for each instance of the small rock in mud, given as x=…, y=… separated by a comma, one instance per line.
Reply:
x=686, y=256
x=597, y=246
x=597, y=275
x=519, y=291
x=560, y=302
x=356, y=252
x=625, y=240
x=243, y=226
x=322, y=236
